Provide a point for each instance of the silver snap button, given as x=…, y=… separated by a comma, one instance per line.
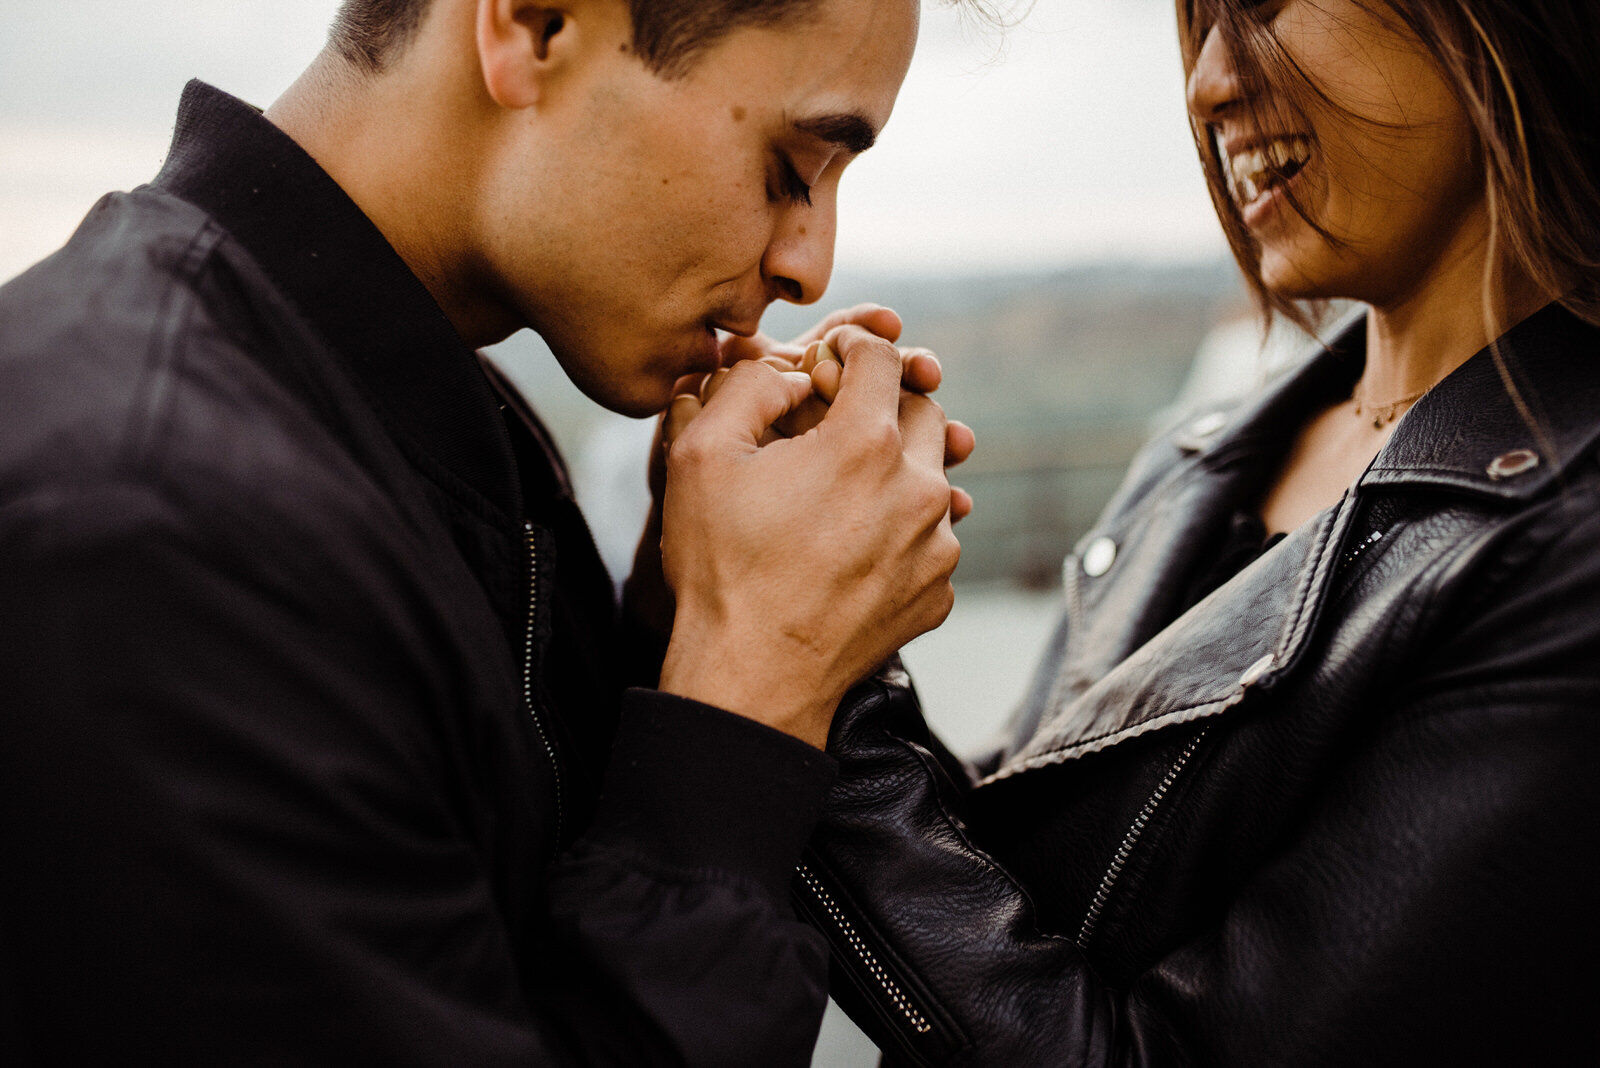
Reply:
x=1207, y=425
x=1099, y=556
x=1253, y=673
x=1513, y=463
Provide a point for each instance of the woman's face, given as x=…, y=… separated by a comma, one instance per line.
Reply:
x=1374, y=147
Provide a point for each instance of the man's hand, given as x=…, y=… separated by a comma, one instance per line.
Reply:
x=799, y=566
x=920, y=370
x=646, y=594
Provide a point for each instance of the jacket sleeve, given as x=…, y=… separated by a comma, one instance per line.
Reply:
x=675, y=900
x=1435, y=905
x=231, y=823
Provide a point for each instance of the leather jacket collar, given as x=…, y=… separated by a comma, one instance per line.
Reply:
x=1453, y=435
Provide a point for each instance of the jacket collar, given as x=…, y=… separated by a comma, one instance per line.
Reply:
x=1454, y=435
x=1269, y=418
x=1467, y=433
x=336, y=267
x=1194, y=669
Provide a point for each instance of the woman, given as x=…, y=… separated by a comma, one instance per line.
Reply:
x=1308, y=773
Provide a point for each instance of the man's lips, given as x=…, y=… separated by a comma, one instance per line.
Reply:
x=738, y=326
x=709, y=356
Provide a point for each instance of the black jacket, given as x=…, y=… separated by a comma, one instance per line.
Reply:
x=311, y=678
x=1342, y=811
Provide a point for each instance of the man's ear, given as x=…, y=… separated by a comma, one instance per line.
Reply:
x=522, y=45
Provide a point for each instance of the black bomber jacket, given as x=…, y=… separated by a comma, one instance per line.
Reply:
x=314, y=747
x=1343, y=811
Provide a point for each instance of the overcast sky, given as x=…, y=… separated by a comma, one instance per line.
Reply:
x=1061, y=141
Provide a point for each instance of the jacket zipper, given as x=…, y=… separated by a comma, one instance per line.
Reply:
x=527, y=676
x=903, y=1010
x=1361, y=547
x=1109, y=881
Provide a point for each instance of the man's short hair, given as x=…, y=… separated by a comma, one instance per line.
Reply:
x=667, y=34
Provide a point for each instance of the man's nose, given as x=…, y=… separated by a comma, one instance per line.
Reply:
x=799, y=259
x=1214, y=84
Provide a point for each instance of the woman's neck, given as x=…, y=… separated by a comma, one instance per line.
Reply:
x=1418, y=337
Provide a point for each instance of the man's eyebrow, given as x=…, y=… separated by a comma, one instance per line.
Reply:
x=852, y=132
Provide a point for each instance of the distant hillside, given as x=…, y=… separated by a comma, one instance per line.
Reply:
x=1101, y=342
x=1057, y=373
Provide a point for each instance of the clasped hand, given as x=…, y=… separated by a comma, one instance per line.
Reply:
x=798, y=563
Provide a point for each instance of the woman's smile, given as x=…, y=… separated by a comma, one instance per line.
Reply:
x=1259, y=172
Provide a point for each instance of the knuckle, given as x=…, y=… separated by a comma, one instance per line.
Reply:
x=686, y=452
x=745, y=369
x=933, y=493
x=952, y=552
x=860, y=343
x=935, y=605
x=920, y=406
x=879, y=440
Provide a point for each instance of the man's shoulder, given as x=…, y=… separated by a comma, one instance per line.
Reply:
x=131, y=246
x=145, y=354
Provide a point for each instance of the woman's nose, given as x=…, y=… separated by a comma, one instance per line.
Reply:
x=1214, y=83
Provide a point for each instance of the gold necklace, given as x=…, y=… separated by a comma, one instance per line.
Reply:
x=1383, y=414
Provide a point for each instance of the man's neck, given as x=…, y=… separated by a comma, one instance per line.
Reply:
x=399, y=153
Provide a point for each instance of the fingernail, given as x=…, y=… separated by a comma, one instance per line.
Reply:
x=712, y=383
x=683, y=403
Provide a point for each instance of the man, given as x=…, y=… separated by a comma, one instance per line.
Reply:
x=315, y=747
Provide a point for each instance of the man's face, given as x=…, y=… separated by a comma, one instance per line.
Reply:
x=666, y=210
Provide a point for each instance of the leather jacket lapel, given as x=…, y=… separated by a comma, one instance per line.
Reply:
x=1194, y=669
x=1129, y=671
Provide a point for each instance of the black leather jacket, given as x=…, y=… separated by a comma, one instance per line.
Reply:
x=1342, y=811
x=310, y=676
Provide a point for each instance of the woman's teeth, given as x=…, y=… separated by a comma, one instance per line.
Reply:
x=1256, y=170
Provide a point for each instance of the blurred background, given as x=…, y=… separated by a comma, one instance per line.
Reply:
x=1034, y=211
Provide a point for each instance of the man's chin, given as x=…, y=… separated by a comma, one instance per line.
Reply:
x=643, y=411
x=644, y=402
x=637, y=396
